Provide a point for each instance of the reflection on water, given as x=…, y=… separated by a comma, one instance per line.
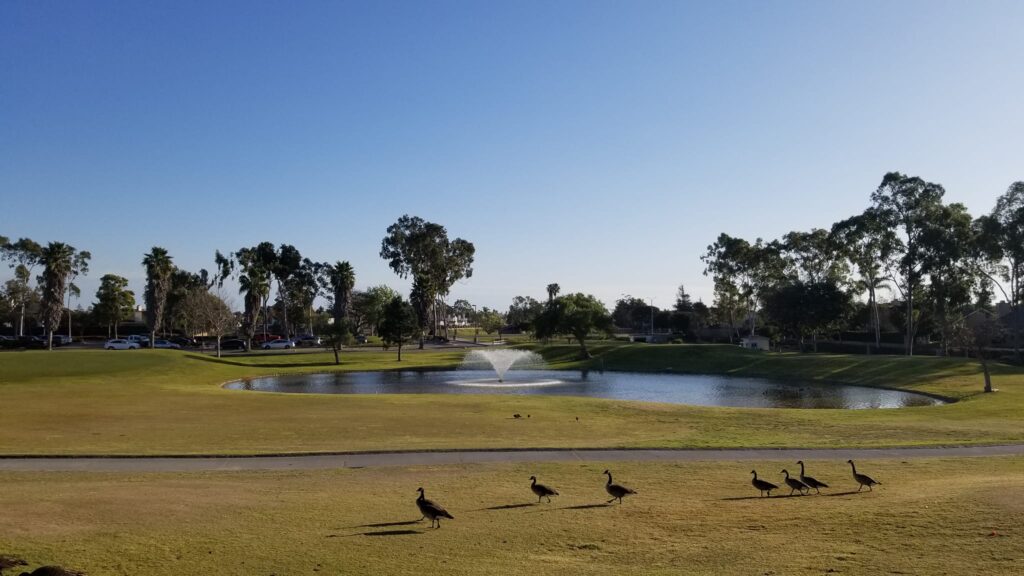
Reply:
x=701, y=390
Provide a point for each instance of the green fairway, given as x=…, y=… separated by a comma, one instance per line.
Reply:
x=930, y=517
x=167, y=402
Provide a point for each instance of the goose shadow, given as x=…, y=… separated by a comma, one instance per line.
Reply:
x=586, y=506
x=512, y=506
x=849, y=493
x=776, y=497
x=391, y=533
x=387, y=524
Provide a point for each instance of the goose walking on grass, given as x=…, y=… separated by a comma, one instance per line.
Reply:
x=816, y=484
x=762, y=485
x=794, y=484
x=617, y=491
x=541, y=490
x=862, y=479
x=431, y=509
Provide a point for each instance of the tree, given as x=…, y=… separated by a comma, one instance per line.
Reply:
x=23, y=255
x=159, y=269
x=1001, y=243
x=576, y=314
x=114, y=302
x=729, y=306
x=421, y=249
x=421, y=302
x=79, y=267
x=255, y=266
x=213, y=314
x=868, y=244
x=553, y=290
x=632, y=314
x=804, y=309
x=905, y=205
x=399, y=324
x=953, y=264
x=57, y=259
x=368, y=306
x=744, y=270
x=522, y=312
x=338, y=281
x=286, y=265
x=490, y=321
x=683, y=302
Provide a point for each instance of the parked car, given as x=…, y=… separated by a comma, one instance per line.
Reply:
x=307, y=342
x=279, y=344
x=185, y=342
x=120, y=344
x=62, y=340
x=166, y=344
x=37, y=342
x=138, y=339
x=361, y=339
x=233, y=344
x=263, y=338
x=8, y=342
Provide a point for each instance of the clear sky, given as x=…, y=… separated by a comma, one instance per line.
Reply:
x=600, y=145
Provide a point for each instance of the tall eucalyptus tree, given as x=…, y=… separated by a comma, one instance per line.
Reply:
x=905, y=205
x=23, y=255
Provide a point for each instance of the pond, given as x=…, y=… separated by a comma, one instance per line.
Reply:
x=699, y=390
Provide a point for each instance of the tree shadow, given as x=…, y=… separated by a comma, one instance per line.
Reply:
x=228, y=361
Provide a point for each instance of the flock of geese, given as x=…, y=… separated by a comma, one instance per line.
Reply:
x=802, y=484
x=435, y=511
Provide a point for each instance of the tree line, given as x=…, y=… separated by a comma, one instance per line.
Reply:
x=941, y=264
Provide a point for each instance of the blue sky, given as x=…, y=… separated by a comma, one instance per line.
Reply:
x=600, y=145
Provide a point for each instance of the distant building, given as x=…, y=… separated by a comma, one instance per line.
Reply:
x=755, y=342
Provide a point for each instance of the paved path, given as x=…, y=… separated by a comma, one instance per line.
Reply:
x=374, y=459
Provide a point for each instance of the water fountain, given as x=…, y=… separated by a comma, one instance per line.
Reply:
x=501, y=361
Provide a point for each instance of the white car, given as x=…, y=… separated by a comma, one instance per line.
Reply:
x=120, y=344
x=280, y=343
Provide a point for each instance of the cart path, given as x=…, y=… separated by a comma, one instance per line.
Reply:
x=430, y=458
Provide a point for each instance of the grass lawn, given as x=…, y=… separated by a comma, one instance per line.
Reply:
x=929, y=517
x=167, y=402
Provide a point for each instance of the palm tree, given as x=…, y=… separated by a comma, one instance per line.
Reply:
x=159, y=269
x=553, y=290
x=57, y=259
x=255, y=289
x=339, y=279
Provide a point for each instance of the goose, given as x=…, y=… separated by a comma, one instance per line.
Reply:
x=795, y=484
x=810, y=481
x=10, y=562
x=617, y=491
x=52, y=571
x=431, y=509
x=762, y=485
x=541, y=490
x=862, y=479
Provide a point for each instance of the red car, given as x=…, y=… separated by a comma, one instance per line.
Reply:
x=260, y=338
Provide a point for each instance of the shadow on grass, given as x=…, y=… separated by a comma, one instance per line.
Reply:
x=231, y=362
x=778, y=496
x=586, y=506
x=392, y=533
x=511, y=506
x=387, y=524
